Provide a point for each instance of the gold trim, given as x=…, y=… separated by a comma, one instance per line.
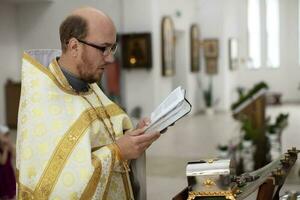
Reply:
x=126, y=185
x=17, y=175
x=48, y=73
x=118, y=152
x=91, y=187
x=111, y=109
x=113, y=157
x=61, y=154
x=56, y=70
x=227, y=194
x=24, y=192
x=209, y=182
x=96, y=148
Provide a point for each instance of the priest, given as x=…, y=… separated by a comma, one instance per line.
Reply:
x=73, y=142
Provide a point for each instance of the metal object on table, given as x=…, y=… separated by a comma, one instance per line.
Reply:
x=210, y=177
x=215, y=178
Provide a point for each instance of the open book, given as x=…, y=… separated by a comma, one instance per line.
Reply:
x=174, y=107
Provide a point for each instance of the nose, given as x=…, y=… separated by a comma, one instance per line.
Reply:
x=110, y=58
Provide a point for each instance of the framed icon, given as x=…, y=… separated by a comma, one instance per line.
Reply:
x=211, y=48
x=211, y=66
x=136, y=50
x=195, y=50
x=168, y=46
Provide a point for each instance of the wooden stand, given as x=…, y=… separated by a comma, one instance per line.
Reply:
x=254, y=110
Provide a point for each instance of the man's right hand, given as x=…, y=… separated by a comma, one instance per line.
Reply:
x=133, y=143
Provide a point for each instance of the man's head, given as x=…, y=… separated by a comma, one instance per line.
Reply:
x=87, y=39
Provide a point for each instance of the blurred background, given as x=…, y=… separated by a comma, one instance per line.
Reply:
x=239, y=61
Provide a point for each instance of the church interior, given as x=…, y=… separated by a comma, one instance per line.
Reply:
x=238, y=61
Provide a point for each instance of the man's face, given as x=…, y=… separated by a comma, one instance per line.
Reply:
x=92, y=61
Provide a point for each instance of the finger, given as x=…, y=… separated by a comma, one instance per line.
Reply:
x=144, y=122
x=148, y=137
x=147, y=144
x=147, y=120
x=136, y=132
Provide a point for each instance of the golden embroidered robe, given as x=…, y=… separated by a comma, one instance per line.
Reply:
x=63, y=149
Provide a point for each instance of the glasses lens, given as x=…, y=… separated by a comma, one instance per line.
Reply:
x=110, y=50
x=114, y=48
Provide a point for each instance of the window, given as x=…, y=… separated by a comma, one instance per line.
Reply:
x=263, y=33
x=272, y=33
x=254, y=39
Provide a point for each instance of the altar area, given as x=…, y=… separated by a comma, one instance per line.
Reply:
x=197, y=137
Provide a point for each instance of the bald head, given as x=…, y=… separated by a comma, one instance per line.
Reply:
x=86, y=22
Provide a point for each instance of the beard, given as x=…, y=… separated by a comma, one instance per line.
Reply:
x=85, y=74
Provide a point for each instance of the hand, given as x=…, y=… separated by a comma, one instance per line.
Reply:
x=143, y=122
x=135, y=142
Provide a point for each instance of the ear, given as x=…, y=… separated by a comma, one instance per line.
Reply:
x=73, y=47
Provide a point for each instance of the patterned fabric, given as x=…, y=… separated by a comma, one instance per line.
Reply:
x=64, y=150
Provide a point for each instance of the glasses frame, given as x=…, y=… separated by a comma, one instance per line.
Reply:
x=106, y=50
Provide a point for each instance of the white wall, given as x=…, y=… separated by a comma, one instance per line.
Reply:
x=213, y=17
x=225, y=19
x=138, y=84
x=39, y=22
x=9, y=64
x=182, y=24
x=35, y=25
x=148, y=88
x=286, y=78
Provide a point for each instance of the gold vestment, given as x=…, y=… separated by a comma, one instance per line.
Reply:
x=64, y=150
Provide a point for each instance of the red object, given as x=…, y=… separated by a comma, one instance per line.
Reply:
x=113, y=79
x=7, y=179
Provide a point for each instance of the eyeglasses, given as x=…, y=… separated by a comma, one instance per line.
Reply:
x=106, y=50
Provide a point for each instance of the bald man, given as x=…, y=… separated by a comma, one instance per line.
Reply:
x=73, y=142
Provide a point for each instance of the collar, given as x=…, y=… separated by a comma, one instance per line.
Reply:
x=76, y=83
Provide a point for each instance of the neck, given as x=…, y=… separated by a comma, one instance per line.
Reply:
x=68, y=65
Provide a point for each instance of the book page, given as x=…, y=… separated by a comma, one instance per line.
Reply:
x=178, y=112
x=172, y=100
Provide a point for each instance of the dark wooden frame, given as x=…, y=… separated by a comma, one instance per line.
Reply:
x=195, y=50
x=168, y=46
x=211, y=48
x=136, y=50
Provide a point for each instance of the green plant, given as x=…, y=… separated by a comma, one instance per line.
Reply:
x=254, y=90
x=247, y=137
x=272, y=129
x=281, y=120
x=249, y=131
x=222, y=147
x=241, y=92
x=279, y=125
